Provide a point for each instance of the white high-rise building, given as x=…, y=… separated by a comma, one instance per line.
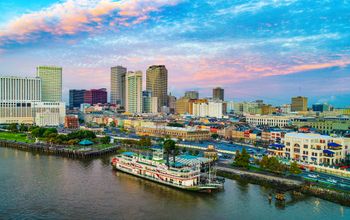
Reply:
x=51, y=83
x=118, y=85
x=21, y=102
x=133, y=89
x=210, y=109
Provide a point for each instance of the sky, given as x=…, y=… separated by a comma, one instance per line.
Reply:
x=262, y=49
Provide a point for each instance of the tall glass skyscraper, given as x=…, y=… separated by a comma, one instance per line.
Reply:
x=157, y=83
x=51, y=83
x=118, y=85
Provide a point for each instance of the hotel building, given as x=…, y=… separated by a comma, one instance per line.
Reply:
x=133, y=89
x=312, y=148
x=118, y=74
x=51, y=83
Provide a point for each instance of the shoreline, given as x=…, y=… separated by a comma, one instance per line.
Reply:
x=285, y=184
x=57, y=150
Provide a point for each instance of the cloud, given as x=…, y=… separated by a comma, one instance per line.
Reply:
x=254, y=6
x=75, y=16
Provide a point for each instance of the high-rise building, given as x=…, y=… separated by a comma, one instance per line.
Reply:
x=146, y=101
x=218, y=93
x=118, y=85
x=95, y=96
x=20, y=88
x=51, y=83
x=21, y=102
x=157, y=83
x=133, y=90
x=182, y=106
x=318, y=107
x=299, y=104
x=172, y=103
x=191, y=94
x=76, y=97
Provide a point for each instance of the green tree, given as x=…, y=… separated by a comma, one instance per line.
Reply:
x=49, y=131
x=112, y=124
x=105, y=140
x=242, y=159
x=23, y=128
x=214, y=136
x=294, y=168
x=13, y=127
x=264, y=162
x=183, y=150
x=145, y=142
x=169, y=146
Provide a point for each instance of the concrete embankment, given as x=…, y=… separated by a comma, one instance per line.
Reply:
x=283, y=184
x=57, y=150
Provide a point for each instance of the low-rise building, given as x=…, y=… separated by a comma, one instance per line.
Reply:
x=71, y=122
x=270, y=120
x=187, y=134
x=312, y=148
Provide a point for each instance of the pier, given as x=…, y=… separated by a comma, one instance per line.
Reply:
x=58, y=150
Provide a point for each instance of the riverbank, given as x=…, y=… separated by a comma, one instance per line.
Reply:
x=285, y=184
x=58, y=150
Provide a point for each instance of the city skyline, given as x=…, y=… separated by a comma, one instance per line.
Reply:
x=299, y=48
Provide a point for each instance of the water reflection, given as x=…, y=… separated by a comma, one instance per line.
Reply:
x=51, y=187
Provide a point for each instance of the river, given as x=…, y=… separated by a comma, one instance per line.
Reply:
x=34, y=186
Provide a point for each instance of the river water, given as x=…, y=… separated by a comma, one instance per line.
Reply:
x=34, y=186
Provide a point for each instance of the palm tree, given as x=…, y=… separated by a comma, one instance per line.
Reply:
x=168, y=146
x=175, y=152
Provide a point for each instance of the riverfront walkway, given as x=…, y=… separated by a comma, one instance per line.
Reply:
x=259, y=176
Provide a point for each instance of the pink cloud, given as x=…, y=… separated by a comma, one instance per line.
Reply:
x=74, y=16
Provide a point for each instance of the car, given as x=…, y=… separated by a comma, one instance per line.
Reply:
x=331, y=180
x=312, y=176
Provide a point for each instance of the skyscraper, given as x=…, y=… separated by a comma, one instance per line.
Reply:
x=299, y=103
x=133, y=89
x=118, y=85
x=192, y=94
x=218, y=93
x=95, y=96
x=157, y=83
x=76, y=97
x=51, y=83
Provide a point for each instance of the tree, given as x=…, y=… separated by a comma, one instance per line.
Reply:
x=23, y=128
x=184, y=150
x=214, y=136
x=145, y=142
x=49, y=131
x=13, y=127
x=294, y=168
x=112, y=124
x=264, y=162
x=175, y=152
x=242, y=159
x=105, y=140
x=168, y=146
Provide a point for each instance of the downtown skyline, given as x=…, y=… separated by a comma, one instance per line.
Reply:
x=269, y=50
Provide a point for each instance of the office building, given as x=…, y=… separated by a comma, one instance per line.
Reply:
x=157, y=83
x=318, y=107
x=51, y=83
x=218, y=93
x=192, y=95
x=133, y=89
x=76, y=98
x=49, y=113
x=118, y=85
x=182, y=106
x=299, y=104
x=147, y=101
x=208, y=109
x=172, y=103
x=95, y=96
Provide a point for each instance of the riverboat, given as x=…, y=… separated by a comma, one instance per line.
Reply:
x=188, y=172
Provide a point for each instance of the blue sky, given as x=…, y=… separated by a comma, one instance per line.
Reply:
x=262, y=49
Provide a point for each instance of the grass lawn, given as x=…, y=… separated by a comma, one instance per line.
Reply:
x=19, y=137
